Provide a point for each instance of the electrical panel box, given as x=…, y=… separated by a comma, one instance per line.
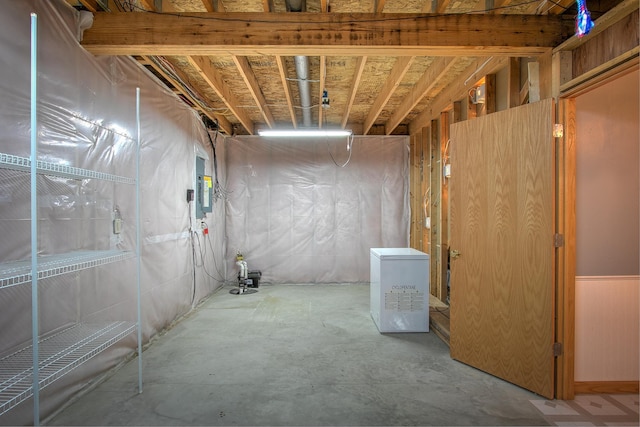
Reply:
x=204, y=187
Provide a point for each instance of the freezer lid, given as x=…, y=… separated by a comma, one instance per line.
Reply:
x=398, y=253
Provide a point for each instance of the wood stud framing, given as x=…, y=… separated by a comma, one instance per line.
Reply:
x=435, y=203
x=443, y=234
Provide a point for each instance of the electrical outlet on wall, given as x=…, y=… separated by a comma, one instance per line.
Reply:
x=117, y=226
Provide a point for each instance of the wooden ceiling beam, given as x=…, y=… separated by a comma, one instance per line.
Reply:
x=148, y=5
x=500, y=6
x=400, y=68
x=254, y=88
x=442, y=6
x=428, y=6
x=362, y=61
x=456, y=90
x=379, y=6
x=287, y=90
x=323, y=77
x=222, y=121
x=210, y=5
x=438, y=69
x=203, y=66
x=318, y=34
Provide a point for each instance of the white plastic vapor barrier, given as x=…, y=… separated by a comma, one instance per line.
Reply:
x=86, y=209
x=299, y=217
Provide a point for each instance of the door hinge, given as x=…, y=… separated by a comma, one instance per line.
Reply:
x=558, y=130
x=558, y=240
x=557, y=349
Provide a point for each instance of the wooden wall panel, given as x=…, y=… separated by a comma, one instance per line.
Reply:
x=611, y=43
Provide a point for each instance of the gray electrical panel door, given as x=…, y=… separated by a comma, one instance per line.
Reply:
x=204, y=200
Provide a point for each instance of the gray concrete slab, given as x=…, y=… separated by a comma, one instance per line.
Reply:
x=298, y=355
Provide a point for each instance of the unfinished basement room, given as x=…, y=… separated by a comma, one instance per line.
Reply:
x=320, y=212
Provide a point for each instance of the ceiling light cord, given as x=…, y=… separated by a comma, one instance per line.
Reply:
x=349, y=149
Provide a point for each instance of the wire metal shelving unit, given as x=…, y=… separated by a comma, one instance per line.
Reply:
x=24, y=372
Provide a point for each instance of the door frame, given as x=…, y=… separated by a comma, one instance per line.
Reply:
x=565, y=256
x=566, y=217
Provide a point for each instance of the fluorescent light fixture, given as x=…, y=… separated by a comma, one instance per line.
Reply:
x=304, y=132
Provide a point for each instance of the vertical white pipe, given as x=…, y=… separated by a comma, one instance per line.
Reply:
x=34, y=218
x=138, y=250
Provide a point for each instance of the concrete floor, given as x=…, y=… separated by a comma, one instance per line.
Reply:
x=298, y=355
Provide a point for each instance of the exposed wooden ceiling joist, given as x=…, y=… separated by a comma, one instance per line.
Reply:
x=429, y=79
x=282, y=70
x=361, y=62
x=442, y=6
x=223, y=123
x=324, y=34
x=148, y=4
x=400, y=68
x=254, y=88
x=210, y=5
x=203, y=66
x=456, y=90
x=323, y=77
x=379, y=6
x=498, y=5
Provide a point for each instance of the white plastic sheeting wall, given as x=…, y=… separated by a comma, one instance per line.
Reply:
x=87, y=119
x=299, y=218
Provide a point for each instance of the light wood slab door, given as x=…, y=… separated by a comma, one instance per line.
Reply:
x=501, y=216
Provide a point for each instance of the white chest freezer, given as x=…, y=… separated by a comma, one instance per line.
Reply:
x=399, y=289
